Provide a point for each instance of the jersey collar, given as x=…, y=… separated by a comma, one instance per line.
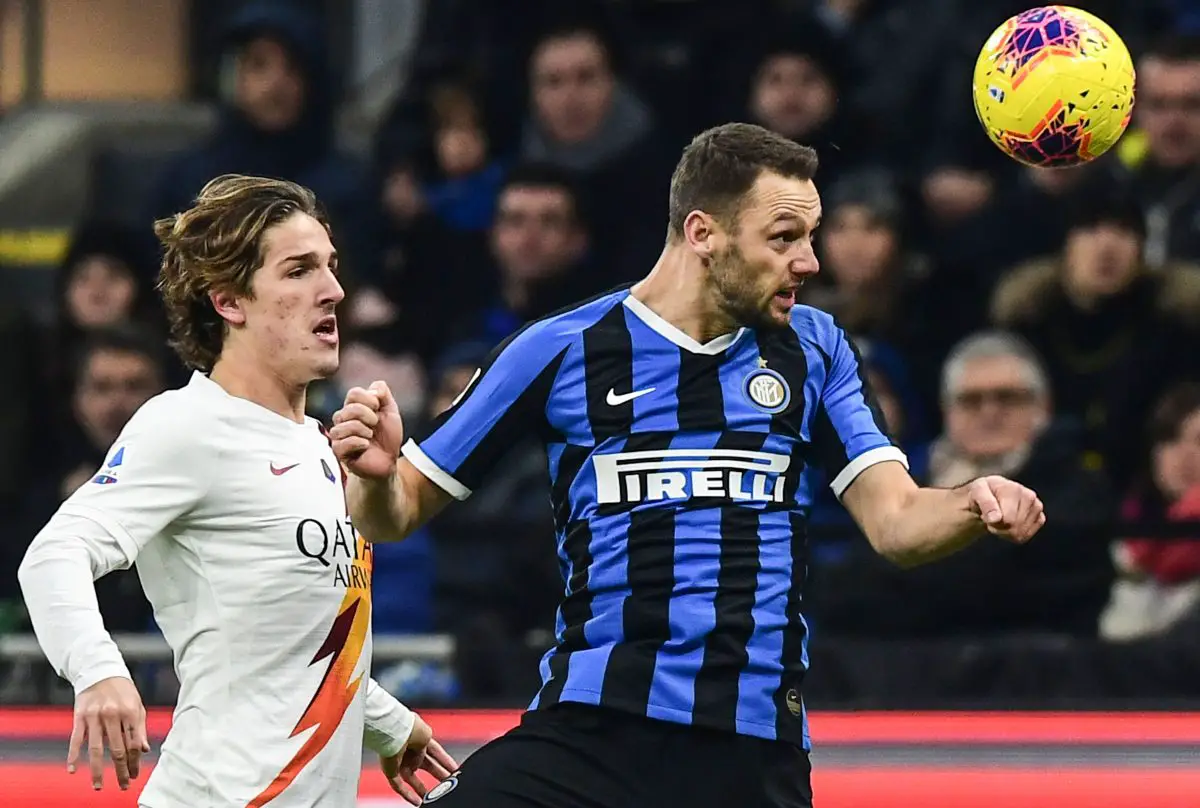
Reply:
x=669, y=332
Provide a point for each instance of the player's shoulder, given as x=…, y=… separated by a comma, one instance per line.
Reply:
x=815, y=326
x=556, y=331
x=177, y=419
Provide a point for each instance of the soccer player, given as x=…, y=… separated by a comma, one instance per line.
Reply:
x=232, y=504
x=685, y=419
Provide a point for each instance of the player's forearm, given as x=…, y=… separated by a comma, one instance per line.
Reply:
x=380, y=508
x=930, y=523
x=57, y=578
x=387, y=722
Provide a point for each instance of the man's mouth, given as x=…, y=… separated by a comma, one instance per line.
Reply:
x=326, y=330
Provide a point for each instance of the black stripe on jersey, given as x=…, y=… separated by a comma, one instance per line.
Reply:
x=785, y=355
x=576, y=610
x=576, y=607
x=725, y=652
x=829, y=446
x=789, y=724
x=608, y=365
x=645, y=614
x=570, y=463
x=701, y=401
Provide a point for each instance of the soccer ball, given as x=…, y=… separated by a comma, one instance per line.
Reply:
x=1054, y=87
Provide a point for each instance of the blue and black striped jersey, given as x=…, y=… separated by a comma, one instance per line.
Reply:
x=682, y=475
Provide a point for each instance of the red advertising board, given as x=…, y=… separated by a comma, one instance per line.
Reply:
x=45, y=784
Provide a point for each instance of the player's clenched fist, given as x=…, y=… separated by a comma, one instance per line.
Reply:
x=367, y=431
x=1008, y=509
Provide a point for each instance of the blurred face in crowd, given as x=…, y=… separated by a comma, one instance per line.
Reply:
x=1101, y=260
x=101, y=291
x=1168, y=109
x=756, y=268
x=792, y=95
x=287, y=323
x=857, y=246
x=1177, y=462
x=573, y=87
x=536, y=233
x=993, y=408
x=270, y=85
x=461, y=149
x=111, y=386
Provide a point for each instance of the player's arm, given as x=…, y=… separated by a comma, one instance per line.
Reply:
x=904, y=522
x=404, y=743
x=391, y=508
x=502, y=404
x=101, y=528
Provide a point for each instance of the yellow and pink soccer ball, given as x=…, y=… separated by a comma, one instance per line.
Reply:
x=1054, y=86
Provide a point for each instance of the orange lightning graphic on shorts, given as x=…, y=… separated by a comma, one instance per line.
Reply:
x=343, y=646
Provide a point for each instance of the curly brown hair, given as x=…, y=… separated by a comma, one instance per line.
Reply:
x=217, y=246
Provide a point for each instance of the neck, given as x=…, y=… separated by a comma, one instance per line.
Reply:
x=243, y=377
x=676, y=291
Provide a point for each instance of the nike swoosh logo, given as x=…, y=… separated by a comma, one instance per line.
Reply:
x=615, y=400
x=276, y=470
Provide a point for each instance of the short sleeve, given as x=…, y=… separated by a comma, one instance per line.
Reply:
x=503, y=403
x=849, y=431
x=155, y=473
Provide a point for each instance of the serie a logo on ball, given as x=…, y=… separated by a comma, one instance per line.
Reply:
x=768, y=390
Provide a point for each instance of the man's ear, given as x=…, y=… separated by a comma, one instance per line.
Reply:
x=228, y=307
x=702, y=233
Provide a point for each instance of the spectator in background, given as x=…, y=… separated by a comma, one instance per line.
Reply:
x=540, y=248
x=278, y=121
x=496, y=575
x=896, y=52
x=463, y=194
x=586, y=120
x=1158, y=588
x=1166, y=176
x=1035, y=208
x=879, y=289
x=116, y=370
x=103, y=281
x=997, y=411
x=793, y=88
x=903, y=411
x=440, y=178
x=1112, y=332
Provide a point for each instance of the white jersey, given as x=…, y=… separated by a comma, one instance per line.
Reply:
x=237, y=519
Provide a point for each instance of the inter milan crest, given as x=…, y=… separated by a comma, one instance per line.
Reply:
x=768, y=390
x=440, y=790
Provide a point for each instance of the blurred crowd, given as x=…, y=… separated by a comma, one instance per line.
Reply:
x=1041, y=324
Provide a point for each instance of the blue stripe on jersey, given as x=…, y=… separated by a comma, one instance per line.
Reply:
x=570, y=394
x=756, y=708
x=691, y=611
x=608, y=583
x=655, y=368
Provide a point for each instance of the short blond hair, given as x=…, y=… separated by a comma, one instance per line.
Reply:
x=217, y=245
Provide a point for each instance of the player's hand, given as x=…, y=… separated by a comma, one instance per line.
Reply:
x=1008, y=509
x=422, y=752
x=367, y=432
x=110, y=711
